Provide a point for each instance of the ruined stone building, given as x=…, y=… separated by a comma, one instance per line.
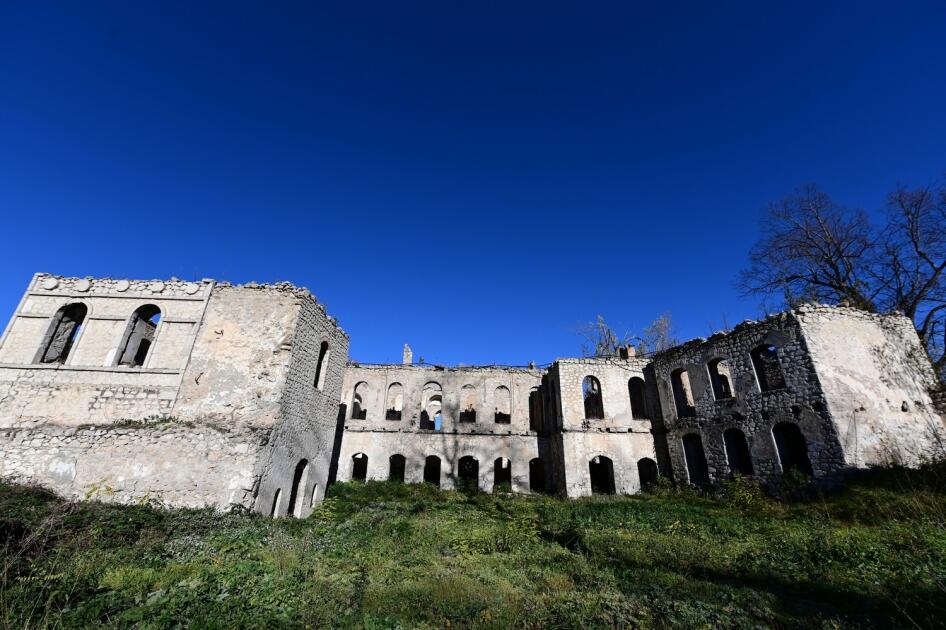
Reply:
x=205, y=393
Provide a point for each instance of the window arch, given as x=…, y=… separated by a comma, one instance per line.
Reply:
x=535, y=409
x=768, y=371
x=395, y=402
x=467, y=403
x=396, y=465
x=737, y=452
x=720, y=378
x=139, y=336
x=432, y=470
x=503, y=413
x=601, y=470
x=591, y=393
x=682, y=393
x=792, y=447
x=431, y=417
x=468, y=473
x=359, y=467
x=359, y=411
x=537, y=482
x=502, y=475
x=695, y=457
x=320, y=366
x=299, y=480
x=277, y=499
x=647, y=471
x=62, y=334
x=638, y=395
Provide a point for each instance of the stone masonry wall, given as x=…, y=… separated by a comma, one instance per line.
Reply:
x=306, y=429
x=754, y=412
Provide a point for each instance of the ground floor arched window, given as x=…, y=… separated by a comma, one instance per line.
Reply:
x=601, y=470
x=792, y=447
x=432, y=470
x=359, y=467
x=695, y=457
x=737, y=452
x=537, y=482
x=397, y=464
x=647, y=470
x=502, y=475
x=468, y=473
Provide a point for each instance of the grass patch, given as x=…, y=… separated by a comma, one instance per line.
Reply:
x=380, y=555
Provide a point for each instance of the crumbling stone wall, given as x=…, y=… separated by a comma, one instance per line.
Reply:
x=379, y=437
x=754, y=412
x=618, y=436
x=219, y=404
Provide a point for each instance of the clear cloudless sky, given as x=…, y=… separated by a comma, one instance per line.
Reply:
x=474, y=178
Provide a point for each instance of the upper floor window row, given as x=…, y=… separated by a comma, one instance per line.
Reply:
x=66, y=326
x=765, y=364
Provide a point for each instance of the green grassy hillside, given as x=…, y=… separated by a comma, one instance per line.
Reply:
x=387, y=555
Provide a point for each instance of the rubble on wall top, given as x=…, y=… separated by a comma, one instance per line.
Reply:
x=527, y=369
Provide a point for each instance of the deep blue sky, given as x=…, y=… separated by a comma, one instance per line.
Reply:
x=474, y=178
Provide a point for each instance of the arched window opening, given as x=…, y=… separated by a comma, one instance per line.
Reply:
x=792, y=448
x=535, y=410
x=502, y=475
x=432, y=470
x=537, y=475
x=635, y=389
x=591, y=392
x=315, y=495
x=299, y=479
x=503, y=413
x=468, y=473
x=395, y=402
x=682, y=393
x=768, y=371
x=397, y=464
x=359, y=467
x=647, y=471
x=695, y=458
x=358, y=408
x=601, y=470
x=467, y=403
x=139, y=336
x=62, y=334
x=319, y=380
x=720, y=378
x=277, y=498
x=737, y=452
x=431, y=406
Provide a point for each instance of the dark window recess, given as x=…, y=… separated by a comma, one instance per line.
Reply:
x=392, y=414
x=397, y=464
x=682, y=394
x=638, y=395
x=720, y=378
x=63, y=333
x=767, y=368
x=139, y=336
x=695, y=459
x=502, y=474
x=792, y=447
x=295, y=493
x=647, y=470
x=359, y=467
x=468, y=415
x=432, y=470
x=535, y=410
x=591, y=392
x=502, y=418
x=737, y=452
x=468, y=470
x=601, y=470
x=537, y=481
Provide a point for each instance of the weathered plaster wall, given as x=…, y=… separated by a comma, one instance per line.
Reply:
x=876, y=380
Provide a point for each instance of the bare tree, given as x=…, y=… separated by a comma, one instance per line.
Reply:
x=599, y=340
x=812, y=248
x=660, y=335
